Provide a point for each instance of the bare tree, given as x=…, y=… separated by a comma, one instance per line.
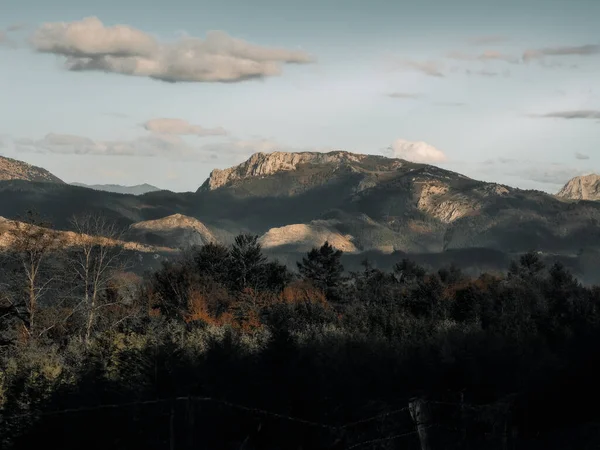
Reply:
x=31, y=242
x=96, y=260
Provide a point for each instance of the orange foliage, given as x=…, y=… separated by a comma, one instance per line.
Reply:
x=302, y=292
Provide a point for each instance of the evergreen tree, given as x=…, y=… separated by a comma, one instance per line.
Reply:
x=246, y=263
x=323, y=267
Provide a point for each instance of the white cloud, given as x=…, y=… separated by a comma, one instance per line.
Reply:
x=90, y=38
x=416, y=151
x=431, y=68
x=89, y=45
x=181, y=127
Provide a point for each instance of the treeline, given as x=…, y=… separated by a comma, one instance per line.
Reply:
x=223, y=348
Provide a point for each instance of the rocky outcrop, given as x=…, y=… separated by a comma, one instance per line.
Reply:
x=264, y=164
x=176, y=229
x=582, y=188
x=303, y=237
x=11, y=169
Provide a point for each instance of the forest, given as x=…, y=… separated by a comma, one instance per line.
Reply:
x=224, y=348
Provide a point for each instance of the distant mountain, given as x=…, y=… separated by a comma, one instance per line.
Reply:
x=582, y=188
x=138, y=189
x=11, y=169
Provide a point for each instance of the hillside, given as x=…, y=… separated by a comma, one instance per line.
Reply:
x=138, y=189
x=176, y=231
x=367, y=203
x=582, y=188
x=11, y=169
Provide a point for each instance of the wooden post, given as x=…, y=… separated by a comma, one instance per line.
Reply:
x=191, y=423
x=421, y=416
x=172, y=426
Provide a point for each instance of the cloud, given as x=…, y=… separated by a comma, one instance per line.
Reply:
x=455, y=104
x=582, y=50
x=167, y=146
x=404, y=95
x=5, y=41
x=431, y=68
x=416, y=151
x=488, y=55
x=575, y=114
x=552, y=174
x=181, y=127
x=487, y=40
x=16, y=27
x=89, y=45
x=581, y=156
x=154, y=145
x=487, y=73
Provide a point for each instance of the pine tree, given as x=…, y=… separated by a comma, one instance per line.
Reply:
x=323, y=267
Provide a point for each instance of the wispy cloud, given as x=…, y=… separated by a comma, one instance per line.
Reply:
x=575, y=114
x=181, y=127
x=454, y=104
x=487, y=73
x=16, y=27
x=488, y=55
x=431, y=68
x=487, y=40
x=154, y=145
x=404, y=95
x=89, y=45
x=581, y=156
x=581, y=50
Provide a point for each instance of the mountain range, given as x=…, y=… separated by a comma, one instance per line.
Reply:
x=366, y=205
x=138, y=189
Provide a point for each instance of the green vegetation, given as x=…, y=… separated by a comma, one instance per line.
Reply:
x=223, y=348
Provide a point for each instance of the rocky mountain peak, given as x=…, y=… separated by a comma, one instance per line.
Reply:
x=585, y=187
x=264, y=164
x=11, y=169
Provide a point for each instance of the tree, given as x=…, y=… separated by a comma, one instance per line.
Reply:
x=31, y=243
x=212, y=260
x=322, y=266
x=246, y=263
x=95, y=262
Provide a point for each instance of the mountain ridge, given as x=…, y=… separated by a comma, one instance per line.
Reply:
x=138, y=189
x=13, y=169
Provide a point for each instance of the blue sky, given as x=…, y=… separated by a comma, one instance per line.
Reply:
x=501, y=91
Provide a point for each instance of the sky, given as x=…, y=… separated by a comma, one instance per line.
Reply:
x=126, y=92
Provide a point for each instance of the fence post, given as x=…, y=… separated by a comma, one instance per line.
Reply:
x=191, y=422
x=421, y=416
x=172, y=426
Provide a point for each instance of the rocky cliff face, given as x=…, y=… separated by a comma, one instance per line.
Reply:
x=582, y=188
x=177, y=230
x=265, y=164
x=11, y=169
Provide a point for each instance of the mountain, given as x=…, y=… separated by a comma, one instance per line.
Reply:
x=11, y=169
x=138, y=189
x=582, y=188
x=366, y=204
